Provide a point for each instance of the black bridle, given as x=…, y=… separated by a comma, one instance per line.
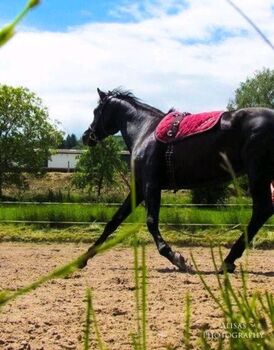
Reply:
x=92, y=135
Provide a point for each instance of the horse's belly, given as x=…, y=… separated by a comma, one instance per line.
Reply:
x=199, y=162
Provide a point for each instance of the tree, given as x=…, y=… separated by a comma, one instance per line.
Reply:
x=211, y=194
x=98, y=166
x=72, y=141
x=26, y=135
x=69, y=142
x=257, y=91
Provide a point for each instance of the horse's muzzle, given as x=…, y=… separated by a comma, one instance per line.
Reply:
x=89, y=138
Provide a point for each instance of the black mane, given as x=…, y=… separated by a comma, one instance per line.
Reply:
x=128, y=96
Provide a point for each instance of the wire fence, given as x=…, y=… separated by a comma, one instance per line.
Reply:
x=165, y=205
x=87, y=223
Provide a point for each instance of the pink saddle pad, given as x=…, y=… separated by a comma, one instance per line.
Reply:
x=191, y=124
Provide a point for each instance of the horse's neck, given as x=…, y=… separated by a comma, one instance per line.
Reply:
x=138, y=124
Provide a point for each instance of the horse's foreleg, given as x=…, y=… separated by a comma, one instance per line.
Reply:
x=121, y=214
x=153, y=199
x=262, y=210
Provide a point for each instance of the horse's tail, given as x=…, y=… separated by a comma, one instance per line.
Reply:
x=238, y=118
x=257, y=127
x=232, y=119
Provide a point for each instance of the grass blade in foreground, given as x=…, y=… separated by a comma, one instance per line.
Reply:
x=186, y=331
x=136, y=338
x=248, y=319
x=144, y=299
x=139, y=340
x=7, y=32
x=91, y=314
x=88, y=320
x=96, y=327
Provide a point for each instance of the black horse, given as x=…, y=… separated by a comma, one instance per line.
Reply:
x=247, y=141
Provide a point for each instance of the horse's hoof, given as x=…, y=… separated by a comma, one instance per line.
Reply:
x=227, y=267
x=83, y=260
x=82, y=263
x=180, y=262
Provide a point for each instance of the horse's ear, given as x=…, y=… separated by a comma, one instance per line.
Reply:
x=101, y=94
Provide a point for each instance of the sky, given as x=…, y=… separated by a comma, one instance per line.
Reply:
x=191, y=55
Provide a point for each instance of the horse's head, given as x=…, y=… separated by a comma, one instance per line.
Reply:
x=103, y=124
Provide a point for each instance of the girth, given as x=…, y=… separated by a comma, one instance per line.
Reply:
x=169, y=155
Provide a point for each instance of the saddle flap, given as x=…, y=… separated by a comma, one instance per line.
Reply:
x=176, y=126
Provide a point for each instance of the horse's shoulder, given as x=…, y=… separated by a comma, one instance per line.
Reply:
x=147, y=150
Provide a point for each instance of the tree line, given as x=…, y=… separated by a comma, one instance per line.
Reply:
x=28, y=136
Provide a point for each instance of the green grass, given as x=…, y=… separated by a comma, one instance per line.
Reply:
x=87, y=234
x=248, y=317
x=102, y=213
x=56, y=212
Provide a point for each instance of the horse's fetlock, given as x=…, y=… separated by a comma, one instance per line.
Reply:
x=164, y=250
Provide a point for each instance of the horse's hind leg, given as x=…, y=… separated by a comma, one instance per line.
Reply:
x=153, y=199
x=262, y=210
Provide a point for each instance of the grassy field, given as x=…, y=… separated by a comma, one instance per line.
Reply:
x=61, y=222
x=87, y=234
x=101, y=213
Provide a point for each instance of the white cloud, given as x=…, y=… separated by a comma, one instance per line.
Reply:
x=151, y=57
x=141, y=9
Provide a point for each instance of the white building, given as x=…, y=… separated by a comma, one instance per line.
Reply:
x=64, y=160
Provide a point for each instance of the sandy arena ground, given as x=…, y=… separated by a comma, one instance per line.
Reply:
x=52, y=317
